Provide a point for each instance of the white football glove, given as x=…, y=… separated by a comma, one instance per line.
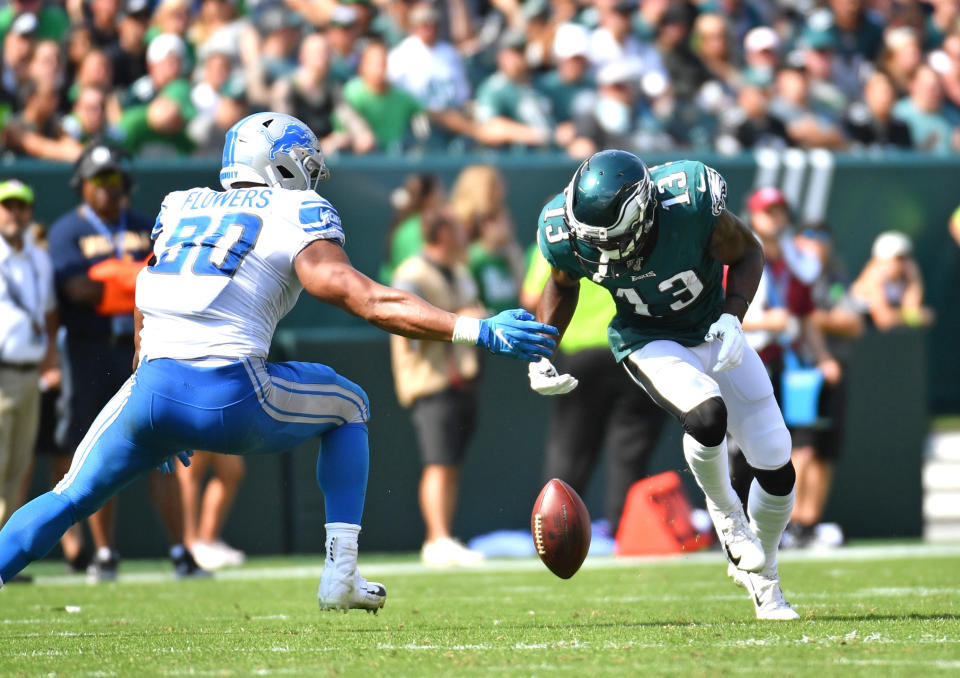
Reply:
x=545, y=380
x=727, y=329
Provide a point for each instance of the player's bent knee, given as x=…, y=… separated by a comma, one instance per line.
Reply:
x=768, y=450
x=707, y=422
x=779, y=481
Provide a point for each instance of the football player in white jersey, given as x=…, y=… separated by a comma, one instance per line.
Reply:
x=227, y=266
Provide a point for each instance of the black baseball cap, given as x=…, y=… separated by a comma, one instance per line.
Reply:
x=99, y=157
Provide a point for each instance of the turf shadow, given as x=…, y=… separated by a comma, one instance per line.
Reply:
x=916, y=616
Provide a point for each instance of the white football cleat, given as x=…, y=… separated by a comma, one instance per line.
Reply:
x=765, y=591
x=341, y=586
x=337, y=592
x=447, y=552
x=739, y=543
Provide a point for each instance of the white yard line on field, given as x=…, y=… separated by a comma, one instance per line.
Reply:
x=387, y=568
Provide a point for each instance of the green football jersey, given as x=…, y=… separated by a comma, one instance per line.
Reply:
x=675, y=292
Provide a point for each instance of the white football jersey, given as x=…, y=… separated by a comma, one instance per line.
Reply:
x=224, y=274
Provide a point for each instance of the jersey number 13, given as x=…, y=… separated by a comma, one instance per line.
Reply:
x=684, y=286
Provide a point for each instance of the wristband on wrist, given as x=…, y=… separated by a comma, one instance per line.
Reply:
x=466, y=330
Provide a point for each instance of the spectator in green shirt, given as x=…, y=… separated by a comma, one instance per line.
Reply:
x=860, y=30
x=52, y=20
x=162, y=107
x=419, y=193
x=388, y=110
x=569, y=86
x=508, y=109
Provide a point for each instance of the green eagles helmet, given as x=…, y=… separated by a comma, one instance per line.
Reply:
x=610, y=204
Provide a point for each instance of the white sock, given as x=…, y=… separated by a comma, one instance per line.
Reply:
x=769, y=515
x=711, y=469
x=342, y=541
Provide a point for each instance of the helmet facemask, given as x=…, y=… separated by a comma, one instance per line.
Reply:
x=298, y=169
x=313, y=165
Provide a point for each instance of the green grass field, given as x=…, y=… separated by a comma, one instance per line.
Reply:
x=871, y=610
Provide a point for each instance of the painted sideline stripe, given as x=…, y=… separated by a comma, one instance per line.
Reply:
x=382, y=569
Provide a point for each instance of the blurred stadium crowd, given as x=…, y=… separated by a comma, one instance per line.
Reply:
x=169, y=77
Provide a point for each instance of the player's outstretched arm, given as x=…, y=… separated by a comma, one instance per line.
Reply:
x=326, y=273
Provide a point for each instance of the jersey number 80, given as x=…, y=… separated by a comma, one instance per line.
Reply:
x=219, y=251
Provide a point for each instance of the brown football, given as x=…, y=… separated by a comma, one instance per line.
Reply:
x=560, y=525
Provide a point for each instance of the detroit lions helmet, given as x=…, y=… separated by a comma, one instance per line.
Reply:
x=610, y=203
x=272, y=148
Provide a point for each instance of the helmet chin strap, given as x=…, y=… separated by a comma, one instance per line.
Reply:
x=602, y=266
x=272, y=177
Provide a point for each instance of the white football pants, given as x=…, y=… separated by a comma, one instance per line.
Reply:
x=679, y=378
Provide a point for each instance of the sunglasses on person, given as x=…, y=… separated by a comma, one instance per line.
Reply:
x=107, y=180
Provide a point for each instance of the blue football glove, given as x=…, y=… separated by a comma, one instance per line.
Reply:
x=168, y=464
x=517, y=334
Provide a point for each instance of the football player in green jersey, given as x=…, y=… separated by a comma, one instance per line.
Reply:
x=657, y=239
